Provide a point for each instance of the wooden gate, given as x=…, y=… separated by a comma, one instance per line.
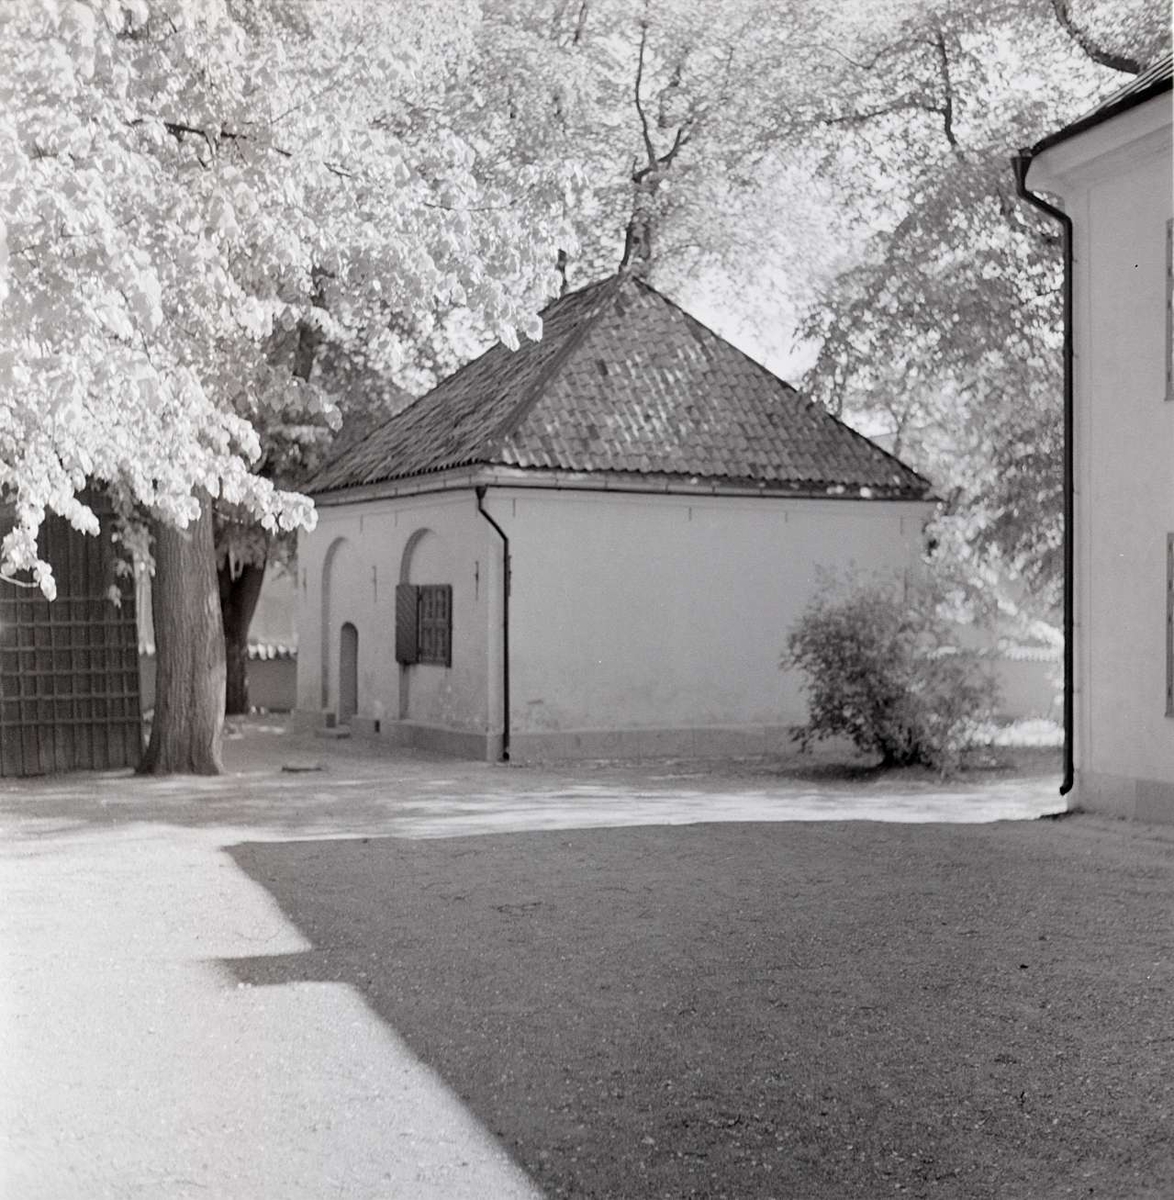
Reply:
x=69, y=669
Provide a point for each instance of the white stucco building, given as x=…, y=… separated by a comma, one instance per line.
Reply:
x=594, y=545
x=1114, y=176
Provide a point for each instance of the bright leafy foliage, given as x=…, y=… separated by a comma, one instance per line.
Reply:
x=182, y=182
x=672, y=110
x=945, y=331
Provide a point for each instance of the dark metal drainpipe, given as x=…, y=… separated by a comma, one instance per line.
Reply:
x=1020, y=162
x=505, y=625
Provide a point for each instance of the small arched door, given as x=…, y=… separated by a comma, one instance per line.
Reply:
x=348, y=673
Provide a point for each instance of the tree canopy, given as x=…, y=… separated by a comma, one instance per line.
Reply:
x=182, y=181
x=945, y=332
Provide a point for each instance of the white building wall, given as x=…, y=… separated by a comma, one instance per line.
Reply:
x=348, y=569
x=1115, y=181
x=642, y=623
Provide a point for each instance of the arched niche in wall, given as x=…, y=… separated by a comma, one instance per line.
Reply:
x=420, y=553
x=409, y=554
x=334, y=567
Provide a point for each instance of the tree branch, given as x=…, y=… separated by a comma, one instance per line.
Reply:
x=860, y=64
x=465, y=208
x=649, y=149
x=231, y=135
x=673, y=85
x=860, y=118
x=640, y=174
x=179, y=130
x=682, y=136
x=947, y=109
x=1107, y=58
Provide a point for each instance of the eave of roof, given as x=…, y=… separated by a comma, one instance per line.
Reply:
x=1153, y=81
x=473, y=475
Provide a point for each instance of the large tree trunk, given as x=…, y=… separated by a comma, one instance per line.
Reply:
x=189, y=653
x=239, y=594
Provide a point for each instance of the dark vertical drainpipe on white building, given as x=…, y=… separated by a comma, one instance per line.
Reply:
x=1020, y=162
x=505, y=624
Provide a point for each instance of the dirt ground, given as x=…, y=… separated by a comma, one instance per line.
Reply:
x=814, y=1011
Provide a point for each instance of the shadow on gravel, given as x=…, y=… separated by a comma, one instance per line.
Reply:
x=825, y=1011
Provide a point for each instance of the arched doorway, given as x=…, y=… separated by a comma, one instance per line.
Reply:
x=336, y=566
x=348, y=673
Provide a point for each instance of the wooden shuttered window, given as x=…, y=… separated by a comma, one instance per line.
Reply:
x=434, y=624
x=423, y=623
x=406, y=604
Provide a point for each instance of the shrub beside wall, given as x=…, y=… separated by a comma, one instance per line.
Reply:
x=885, y=671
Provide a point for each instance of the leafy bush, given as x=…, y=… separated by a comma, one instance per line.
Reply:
x=886, y=672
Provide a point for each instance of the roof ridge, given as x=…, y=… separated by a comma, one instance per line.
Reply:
x=714, y=334
x=340, y=452
x=874, y=444
x=617, y=281
x=586, y=287
x=337, y=453
x=521, y=410
x=791, y=388
x=780, y=380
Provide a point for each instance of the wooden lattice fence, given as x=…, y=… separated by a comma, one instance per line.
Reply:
x=69, y=675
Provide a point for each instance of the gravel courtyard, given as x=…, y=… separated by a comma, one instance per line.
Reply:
x=397, y=976
x=786, y=1010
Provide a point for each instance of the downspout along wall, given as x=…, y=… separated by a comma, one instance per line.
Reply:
x=1021, y=162
x=505, y=624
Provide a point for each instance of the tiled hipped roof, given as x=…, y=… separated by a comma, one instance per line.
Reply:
x=625, y=382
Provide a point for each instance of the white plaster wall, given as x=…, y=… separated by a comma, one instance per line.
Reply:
x=1127, y=444
x=1119, y=195
x=364, y=573
x=638, y=611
